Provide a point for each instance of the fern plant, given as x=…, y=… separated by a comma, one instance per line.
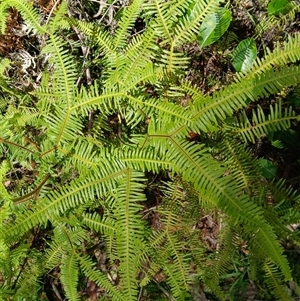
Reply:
x=85, y=185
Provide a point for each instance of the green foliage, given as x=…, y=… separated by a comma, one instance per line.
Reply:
x=214, y=26
x=268, y=169
x=277, y=7
x=85, y=184
x=244, y=55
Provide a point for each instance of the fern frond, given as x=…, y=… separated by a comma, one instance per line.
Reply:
x=287, y=51
x=69, y=275
x=54, y=255
x=206, y=176
x=143, y=159
x=138, y=54
x=88, y=268
x=105, y=225
x=162, y=21
x=59, y=20
x=81, y=153
x=173, y=60
x=64, y=76
x=240, y=164
x=28, y=284
x=261, y=125
x=275, y=283
x=63, y=125
x=4, y=64
x=102, y=38
x=126, y=23
x=265, y=240
x=235, y=96
x=287, y=202
x=221, y=262
x=108, y=99
x=189, y=26
x=4, y=195
x=98, y=182
x=167, y=247
x=130, y=243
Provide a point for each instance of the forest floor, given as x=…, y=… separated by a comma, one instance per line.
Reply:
x=210, y=69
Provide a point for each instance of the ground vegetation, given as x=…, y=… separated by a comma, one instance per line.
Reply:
x=149, y=150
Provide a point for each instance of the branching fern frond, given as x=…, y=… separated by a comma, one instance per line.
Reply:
x=89, y=183
x=95, y=32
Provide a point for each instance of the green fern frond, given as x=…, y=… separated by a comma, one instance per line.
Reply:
x=59, y=20
x=98, y=182
x=240, y=164
x=4, y=64
x=273, y=21
x=28, y=284
x=54, y=255
x=143, y=45
x=83, y=184
x=69, y=275
x=129, y=231
x=221, y=262
x=265, y=240
x=63, y=125
x=126, y=23
x=167, y=247
x=64, y=76
x=173, y=60
x=105, y=225
x=4, y=195
x=88, y=268
x=162, y=21
x=235, y=96
x=275, y=283
x=206, y=176
x=80, y=153
x=144, y=159
x=102, y=38
x=188, y=27
x=287, y=202
x=279, y=118
x=287, y=51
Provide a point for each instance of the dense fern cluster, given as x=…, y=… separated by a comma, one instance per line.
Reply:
x=86, y=185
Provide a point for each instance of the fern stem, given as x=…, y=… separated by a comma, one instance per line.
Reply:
x=34, y=192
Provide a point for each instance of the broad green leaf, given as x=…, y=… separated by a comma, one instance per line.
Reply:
x=244, y=55
x=214, y=26
x=277, y=7
x=267, y=168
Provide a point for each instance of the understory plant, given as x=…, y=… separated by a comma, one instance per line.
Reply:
x=84, y=159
